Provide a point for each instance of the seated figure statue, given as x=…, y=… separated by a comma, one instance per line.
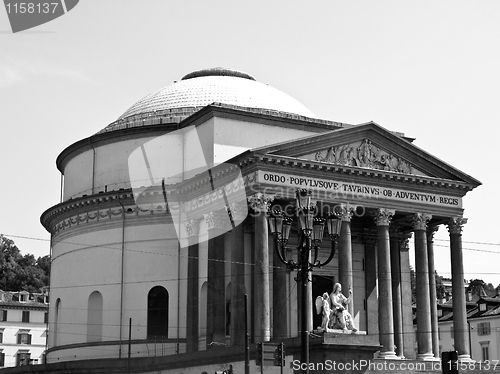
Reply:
x=342, y=319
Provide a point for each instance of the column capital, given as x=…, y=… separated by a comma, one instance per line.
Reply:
x=419, y=221
x=383, y=216
x=260, y=202
x=346, y=211
x=404, y=245
x=192, y=227
x=216, y=220
x=455, y=225
x=238, y=211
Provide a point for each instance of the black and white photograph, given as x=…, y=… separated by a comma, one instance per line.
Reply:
x=199, y=187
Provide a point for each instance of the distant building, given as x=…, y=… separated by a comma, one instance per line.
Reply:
x=483, y=328
x=448, y=288
x=23, y=328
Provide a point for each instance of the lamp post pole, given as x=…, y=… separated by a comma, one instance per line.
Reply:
x=304, y=339
x=310, y=234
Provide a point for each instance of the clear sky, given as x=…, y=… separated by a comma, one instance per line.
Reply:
x=429, y=69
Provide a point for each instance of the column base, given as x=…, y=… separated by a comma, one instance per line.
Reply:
x=388, y=355
x=427, y=357
x=465, y=358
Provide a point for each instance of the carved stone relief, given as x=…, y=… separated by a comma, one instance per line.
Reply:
x=364, y=154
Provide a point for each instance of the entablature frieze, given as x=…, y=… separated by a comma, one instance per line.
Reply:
x=364, y=192
x=285, y=163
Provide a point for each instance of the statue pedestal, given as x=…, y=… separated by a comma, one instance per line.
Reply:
x=336, y=351
x=339, y=331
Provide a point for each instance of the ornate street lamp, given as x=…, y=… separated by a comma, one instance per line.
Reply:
x=310, y=235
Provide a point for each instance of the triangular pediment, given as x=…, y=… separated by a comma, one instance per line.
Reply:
x=369, y=146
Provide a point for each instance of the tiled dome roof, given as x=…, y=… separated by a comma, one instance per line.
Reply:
x=201, y=88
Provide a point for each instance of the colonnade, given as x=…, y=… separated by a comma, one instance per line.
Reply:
x=387, y=274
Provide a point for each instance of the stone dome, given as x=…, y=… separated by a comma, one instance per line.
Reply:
x=204, y=87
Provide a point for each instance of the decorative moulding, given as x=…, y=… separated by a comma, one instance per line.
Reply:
x=364, y=154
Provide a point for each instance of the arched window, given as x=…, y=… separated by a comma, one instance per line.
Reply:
x=94, y=317
x=158, y=312
x=203, y=311
x=57, y=320
x=228, y=309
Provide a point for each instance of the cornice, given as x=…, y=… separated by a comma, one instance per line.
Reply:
x=374, y=174
x=400, y=147
x=98, y=207
x=25, y=306
x=263, y=116
x=197, y=195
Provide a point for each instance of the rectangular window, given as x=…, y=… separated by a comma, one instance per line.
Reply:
x=486, y=353
x=23, y=358
x=1, y=337
x=23, y=338
x=482, y=307
x=2, y=359
x=26, y=316
x=483, y=328
x=3, y=315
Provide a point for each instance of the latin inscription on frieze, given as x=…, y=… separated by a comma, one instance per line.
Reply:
x=356, y=191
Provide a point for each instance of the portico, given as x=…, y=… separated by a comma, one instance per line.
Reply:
x=380, y=209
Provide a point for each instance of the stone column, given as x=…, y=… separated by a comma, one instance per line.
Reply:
x=385, y=317
x=407, y=312
x=345, y=253
x=216, y=301
x=460, y=328
x=396, y=290
x=424, y=336
x=193, y=286
x=432, y=290
x=370, y=241
x=237, y=307
x=260, y=204
x=249, y=228
x=280, y=304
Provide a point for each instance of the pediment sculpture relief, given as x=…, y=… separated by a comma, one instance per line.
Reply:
x=364, y=154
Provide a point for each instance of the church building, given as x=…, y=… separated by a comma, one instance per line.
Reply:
x=162, y=230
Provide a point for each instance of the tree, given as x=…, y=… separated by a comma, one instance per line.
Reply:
x=9, y=257
x=18, y=272
x=479, y=288
x=440, y=289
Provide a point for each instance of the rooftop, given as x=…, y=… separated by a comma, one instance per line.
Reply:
x=198, y=89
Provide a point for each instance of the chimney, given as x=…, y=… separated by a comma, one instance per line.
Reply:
x=469, y=296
